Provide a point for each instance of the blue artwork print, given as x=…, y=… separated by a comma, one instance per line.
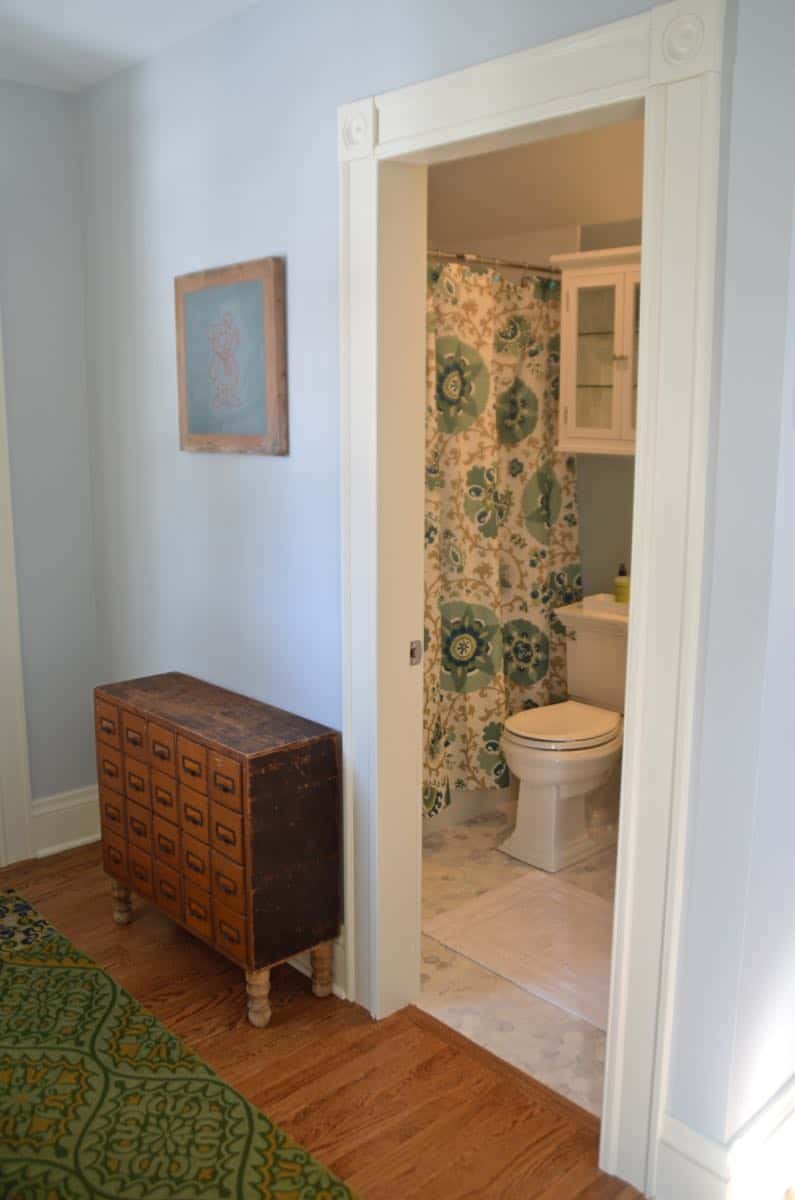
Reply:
x=225, y=360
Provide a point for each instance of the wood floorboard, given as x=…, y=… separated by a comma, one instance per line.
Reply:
x=402, y=1109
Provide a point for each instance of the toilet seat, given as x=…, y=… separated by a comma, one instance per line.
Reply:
x=567, y=726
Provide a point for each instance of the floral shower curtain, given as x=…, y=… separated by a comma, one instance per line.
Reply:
x=501, y=531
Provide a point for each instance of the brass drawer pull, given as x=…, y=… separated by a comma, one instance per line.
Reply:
x=159, y=750
x=166, y=844
x=224, y=784
x=196, y=910
x=137, y=826
x=194, y=863
x=193, y=815
x=112, y=814
x=134, y=738
x=163, y=797
x=229, y=933
x=168, y=889
x=191, y=766
x=110, y=768
x=107, y=726
x=225, y=835
x=136, y=783
x=138, y=871
x=226, y=885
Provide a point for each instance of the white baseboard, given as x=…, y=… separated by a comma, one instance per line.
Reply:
x=758, y=1163
x=64, y=821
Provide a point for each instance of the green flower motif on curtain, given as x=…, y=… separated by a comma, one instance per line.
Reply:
x=525, y=652
x=433, y=472
x=471, y=646
x=541, y=501
x=511, y=337
x=546, y=289
x=490, y=757
x=553, y=350
x=453, y=559
x=484, y=503
x=431, y=531
x=517, y=413
x=434, y=799
x=515, y=467
x=462, y=385
x=434, y=272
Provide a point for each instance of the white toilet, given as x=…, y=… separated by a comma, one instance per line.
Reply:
x=567, y=757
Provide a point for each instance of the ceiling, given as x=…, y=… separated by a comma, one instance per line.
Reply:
x=72, y=44
x=587, y=178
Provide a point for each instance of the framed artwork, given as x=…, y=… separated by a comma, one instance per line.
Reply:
x=231, y=359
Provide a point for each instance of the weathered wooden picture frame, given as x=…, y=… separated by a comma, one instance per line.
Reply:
x=231, y=359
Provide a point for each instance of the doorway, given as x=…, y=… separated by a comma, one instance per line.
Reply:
x=530, y=418
x=664, y=65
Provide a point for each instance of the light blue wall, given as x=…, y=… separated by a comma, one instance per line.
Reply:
x=735, y=1037
x=221, y=150
x=41, y=307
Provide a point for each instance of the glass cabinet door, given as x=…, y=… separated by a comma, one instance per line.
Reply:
x=595, y=394
x=632, y=325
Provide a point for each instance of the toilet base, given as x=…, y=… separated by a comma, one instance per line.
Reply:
x=559, y=825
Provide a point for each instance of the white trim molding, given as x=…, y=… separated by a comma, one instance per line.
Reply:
x=15, y=843
x=664, y=64
x=758, y=1163
x=64, y=821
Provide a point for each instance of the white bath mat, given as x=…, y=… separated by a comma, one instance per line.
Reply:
x=549, y=937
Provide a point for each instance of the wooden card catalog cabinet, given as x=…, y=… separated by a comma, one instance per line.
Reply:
x=225, y=813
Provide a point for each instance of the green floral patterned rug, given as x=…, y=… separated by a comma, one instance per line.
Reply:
x=98, y=1099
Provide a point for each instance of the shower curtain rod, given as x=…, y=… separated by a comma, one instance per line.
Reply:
x=493, y=262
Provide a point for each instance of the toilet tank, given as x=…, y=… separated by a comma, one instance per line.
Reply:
x=596, y=654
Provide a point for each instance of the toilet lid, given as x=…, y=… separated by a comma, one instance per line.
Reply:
x=570, y=725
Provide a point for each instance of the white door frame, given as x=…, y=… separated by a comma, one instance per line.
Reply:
x=668, y=61
x=15, y=843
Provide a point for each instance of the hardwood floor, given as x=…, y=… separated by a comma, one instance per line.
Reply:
x=400, y=1109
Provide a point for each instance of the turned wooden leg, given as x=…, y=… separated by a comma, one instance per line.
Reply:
x=122, y=903
x=258, y=986
x=321, y=958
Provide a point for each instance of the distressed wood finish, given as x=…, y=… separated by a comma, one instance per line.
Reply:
x=399, y=1108
x=226, y=812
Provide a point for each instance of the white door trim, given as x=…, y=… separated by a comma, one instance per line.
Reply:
x=15, y=808
x=669, y=61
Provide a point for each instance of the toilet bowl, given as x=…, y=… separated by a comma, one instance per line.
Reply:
x=567, y=759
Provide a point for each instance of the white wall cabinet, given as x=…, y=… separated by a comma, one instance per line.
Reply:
x=600, y=292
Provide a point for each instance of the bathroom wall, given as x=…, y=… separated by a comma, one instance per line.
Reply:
x=41, y=309
x=604, y=495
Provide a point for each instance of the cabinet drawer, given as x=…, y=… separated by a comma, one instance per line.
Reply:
x=224, y=781
x=141, y=871
x=165, y=841
x=195, y=861
x=106, y=723
x=113, y=812
x=161, y=744
x=226, y=832
x=168, y=889
x=109, y=770
x=114, y=855
x=191, y=764
x=228, y=882
x=163, y=789
x=193, y=815
x=139, y=826
x=133, y=735
x=230, y=931
x=136, y=781
x=198, y=910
